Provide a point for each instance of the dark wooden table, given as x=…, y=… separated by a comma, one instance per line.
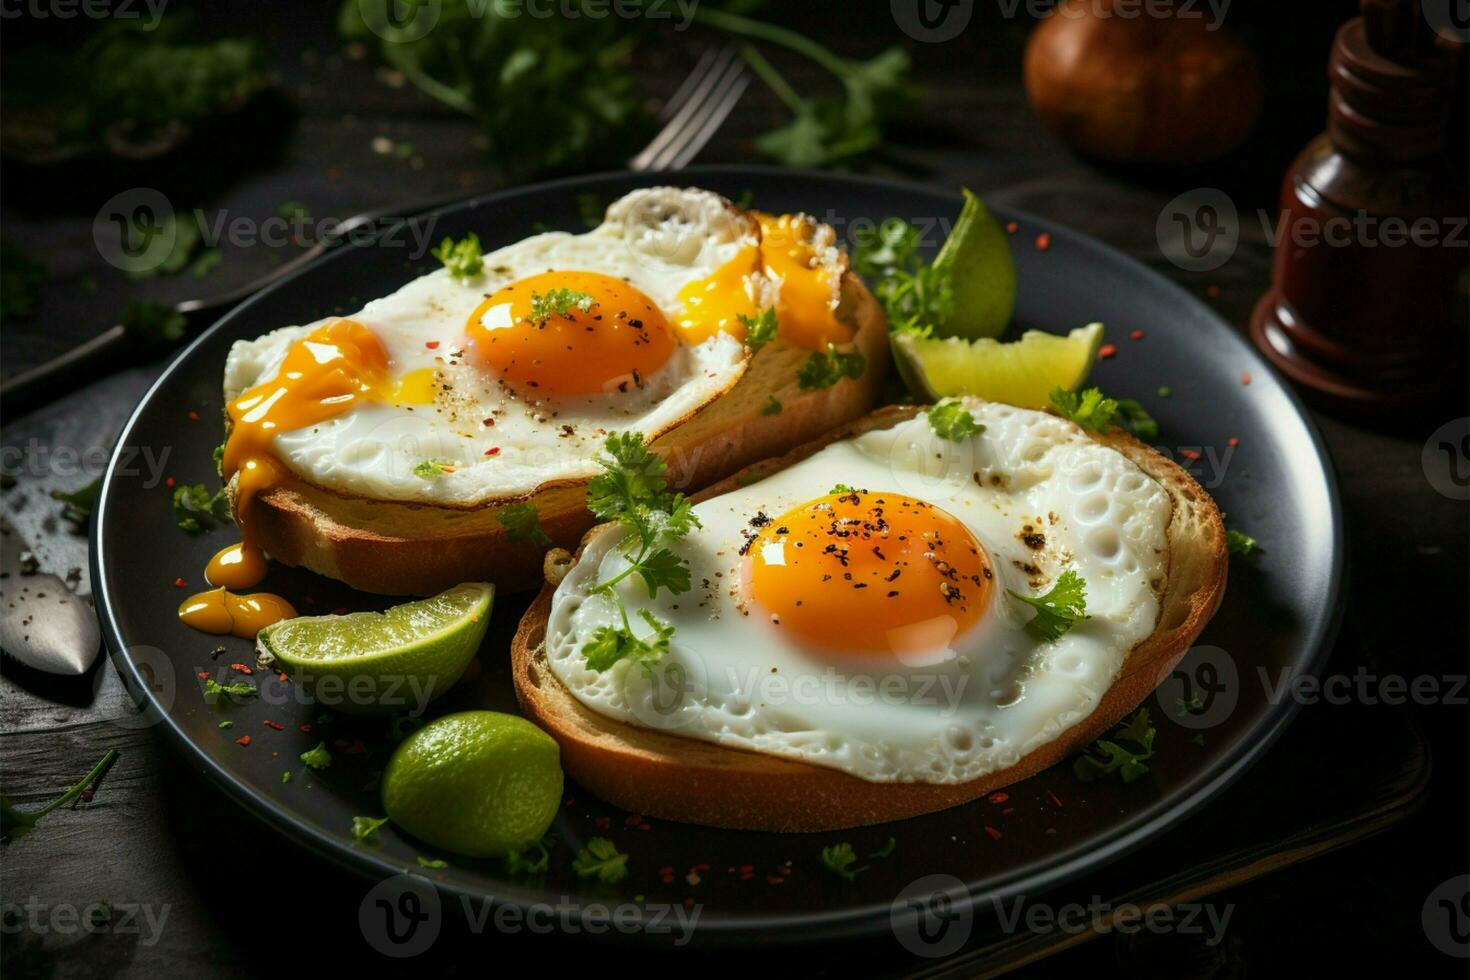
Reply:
x=217, y=894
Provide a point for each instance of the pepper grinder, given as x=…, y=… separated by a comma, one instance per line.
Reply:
x=1365, y=277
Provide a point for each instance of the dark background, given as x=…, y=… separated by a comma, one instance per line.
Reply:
x=248, y=903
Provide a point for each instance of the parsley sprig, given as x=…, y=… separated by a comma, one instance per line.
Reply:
x=559, y=302
x=760, y=329
x=17, y=823
x=824, y=368
x=1110, y=755
x=952, y=421
x=462, y=258
x=915, y=295
x=1095, y=412
x=1058, y=610
x=840, y=860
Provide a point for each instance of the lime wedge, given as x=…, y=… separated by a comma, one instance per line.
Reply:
x=1022, y=372
x=379, y=662
x=977, y=254
x=478, y=783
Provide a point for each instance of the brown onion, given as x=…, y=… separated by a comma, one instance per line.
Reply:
x=1121, y=82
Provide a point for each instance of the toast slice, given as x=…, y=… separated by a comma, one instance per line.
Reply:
x=695, y=781
x=398, y=548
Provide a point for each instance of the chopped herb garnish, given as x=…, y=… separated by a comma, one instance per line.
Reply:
x=17, y=823
x=915, y=295
x=1058, y=610
x=463, y=258
x=1096, y=412
x=559, y=302
x=240, y=689
x=219, y=460
x=602, y=860
x=1240, y=543
x=295, y=212
x=432, y=862
x=153, y=323
x=196, y=508
x=839, y=859
x=842, y=488
x=824, y=368
x=886, y=849
x=432, y=469
x=1136, y=420
x=365, y=829
x=772, y=406
x=286, y=777
x=1109, y=756
x=523, y=523
x=317, y=758
x=609, y=644
x=632, y=491
x=950, y=420
x=760, y=329
x=534, y=859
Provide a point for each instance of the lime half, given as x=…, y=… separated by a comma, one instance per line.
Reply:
x=977, y=254
x=478, y=783
x=378, y=662
x=1022, y=372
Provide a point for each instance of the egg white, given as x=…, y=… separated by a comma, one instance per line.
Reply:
x=658, y=239
x=733, y=677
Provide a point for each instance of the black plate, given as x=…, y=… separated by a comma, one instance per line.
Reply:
x=1277, y=619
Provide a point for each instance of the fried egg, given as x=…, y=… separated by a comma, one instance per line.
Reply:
x=868, y=626
x=462, y=391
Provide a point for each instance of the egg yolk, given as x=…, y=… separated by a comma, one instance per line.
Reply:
x=220, y=611
x=810, y=290
x=871, y=575
x=571, y=333
x=716, y=304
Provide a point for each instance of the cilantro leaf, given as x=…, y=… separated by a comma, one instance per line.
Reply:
x=432, y=469
x=633, y=477
x=842, y=488
x=365, y=829
x=950, y=420
x=886, y=849
x=196, y=508
x=559, y=302
x=533, y=859
x=1058, y=610
x=79, y=503
x=915, y=295
x=317, y=758
x=602, y=860
x=432, y=862
x=17, y=823
x=824, y=368
x=1109, y=755
x=663, y=569
x=523, y=523
x=239, y=689
x=771, y=407
x=1089, y=408
x=1136, y=420
x=609, y=644
x=463, y=258
x=760, y=329
x=1240, y=543
x=839, y=859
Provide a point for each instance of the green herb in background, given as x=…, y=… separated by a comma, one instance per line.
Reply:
x=17, y=823
x=78, y=504
x=196, y=508
x=153, y=323
x=557, y=93
x=21, y=280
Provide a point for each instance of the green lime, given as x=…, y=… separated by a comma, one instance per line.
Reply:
x=981, y=272
x=478, y=783
x=379, y=662
x=1022, y=372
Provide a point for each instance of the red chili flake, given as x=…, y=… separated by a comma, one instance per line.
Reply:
x=193, y=416
x=275, y=724
x=1136, y=335
x=179, y=582
x=87, y=794
x=241, y=669
x=568, y=801
x=1212, y=291
x=998, y=798
x=432, y=344
x=170, y=483
x=1190, y=454
x=306, y=729
x=1043, y=242
x=204, y=675
x=746, y=869
x=1245, y=378
x=243, y=740
x=1056, y=800
x=1051, y=830
x=994, y=834
x=701, y=868
x=356, y=747
x=667, y=869
x=689, y=902
x=747, y=876
x=632, y=820
x=282, y=675
x=1106, y=351
x=493, y=451
x=1232, y=442
x=603, y=823
x=1007, y=810
x=1012, y=227
x=774, y=880
x=667, y=879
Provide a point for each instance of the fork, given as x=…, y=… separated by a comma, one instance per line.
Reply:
x=690, y=117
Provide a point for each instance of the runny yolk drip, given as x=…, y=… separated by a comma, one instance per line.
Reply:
x=327, y=373
x=810, y=290
x=571, y=333
x=220, y=611
x=716, y=303
x=870, y=575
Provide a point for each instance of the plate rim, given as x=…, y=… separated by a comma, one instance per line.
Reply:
x=1182, y=801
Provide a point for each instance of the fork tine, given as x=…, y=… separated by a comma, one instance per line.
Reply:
x=701, y=69
x=714, y=118
x=698, y=91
